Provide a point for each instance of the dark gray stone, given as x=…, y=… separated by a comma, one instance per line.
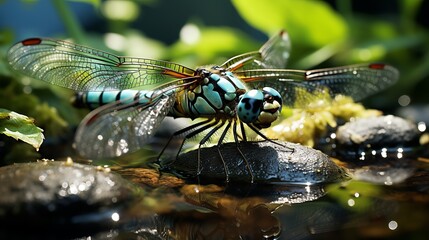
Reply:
x=47, y=197
x=383, y=131
x=270, y=162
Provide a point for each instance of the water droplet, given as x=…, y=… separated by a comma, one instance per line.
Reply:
x=388, y=181
x=421, y=126
x=115, y=217
x=42, y=177
x=73, y=189
x=393, y=225
x=82, y=187
x=62, y=193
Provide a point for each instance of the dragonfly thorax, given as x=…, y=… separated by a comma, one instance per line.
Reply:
x=220, y=94
x=215, y=95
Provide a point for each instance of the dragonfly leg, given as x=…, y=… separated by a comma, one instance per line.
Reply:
x=207, y=124
x=243, y=133
x=180, y=132
x=249, y=168
x=266, y=138
x=242, y=137
x=195, y=132
x=205, y=139
x=222, y=137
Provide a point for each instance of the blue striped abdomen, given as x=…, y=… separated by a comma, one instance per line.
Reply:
x=94, y=100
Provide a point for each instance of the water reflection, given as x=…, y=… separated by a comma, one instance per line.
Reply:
x=387, y=174
x=338, y=211
x=171, y=208
x=224, y=213
x=235, y=211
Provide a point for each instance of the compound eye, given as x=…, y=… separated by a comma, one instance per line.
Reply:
x=250, y=106
x=271, y=94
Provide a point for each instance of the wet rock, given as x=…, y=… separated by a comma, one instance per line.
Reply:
x=61, y=197
x=385, y=136
x=378, y=131
x=269, y=162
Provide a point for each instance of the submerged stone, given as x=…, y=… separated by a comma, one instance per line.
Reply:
x=270, y=162
x=61, y=197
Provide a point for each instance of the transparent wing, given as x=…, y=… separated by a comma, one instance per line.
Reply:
x=356, y=81
x=115, y=129
x=86, y=69
x=273, y=54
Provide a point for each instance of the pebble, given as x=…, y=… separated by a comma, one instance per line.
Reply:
x=378, y=131
x=382, y=136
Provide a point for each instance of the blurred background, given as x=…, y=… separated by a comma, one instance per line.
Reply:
x=194, y=33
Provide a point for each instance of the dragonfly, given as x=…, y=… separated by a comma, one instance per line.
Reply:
x=246, y=92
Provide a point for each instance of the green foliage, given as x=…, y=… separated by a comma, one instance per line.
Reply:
x=214, y=45
x=19, y=152
x=35, y=105
x=308, y=22
x=20, y=127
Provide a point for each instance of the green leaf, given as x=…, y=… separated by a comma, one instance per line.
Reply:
x=20, y=127
x=308, y=22
x=213, y=45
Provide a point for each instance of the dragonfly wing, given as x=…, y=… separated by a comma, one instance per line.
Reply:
x=356, y=81
x=86, y=69
x=273, y=54
x=116, y=129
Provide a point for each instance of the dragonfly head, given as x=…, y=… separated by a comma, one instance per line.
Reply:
x=260, y=107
